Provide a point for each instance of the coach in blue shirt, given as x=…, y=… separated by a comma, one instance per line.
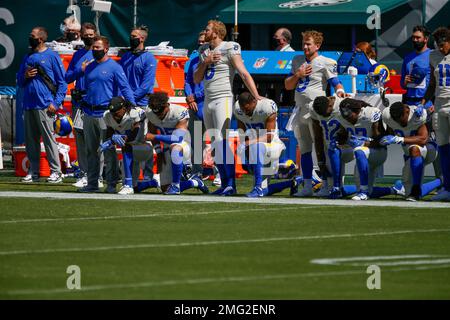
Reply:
x=416, y=68
x=104, y=79
x=195, y=97
x=41, y=75
x=140, y=68
x=75, y=72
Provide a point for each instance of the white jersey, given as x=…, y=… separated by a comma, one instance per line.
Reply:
x=218, y=80
x=126, y=125
x=315, y=84
x=441, y=65
x=414, y=122
x=330, y=125
x=263, y=110
x=363, y=126
x=168, y=124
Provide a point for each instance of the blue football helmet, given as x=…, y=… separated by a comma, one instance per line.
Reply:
x=378, y=75
x=63, y=125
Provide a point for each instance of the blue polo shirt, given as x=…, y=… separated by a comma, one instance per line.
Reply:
x=36, y=95
x=418, y=65
x=140, y=70
x=103, y=81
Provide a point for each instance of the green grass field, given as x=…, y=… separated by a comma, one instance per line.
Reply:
x=192, y=250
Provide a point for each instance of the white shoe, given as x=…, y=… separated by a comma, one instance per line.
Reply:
x=305, y=192
x=360, y=196
x=125, y=190
x=54, y=178
x=82, y=182
x=322, y=193
x=399, y=189
x=217, y=181
x=100, y=183
x=442, y=196
x=27, y=179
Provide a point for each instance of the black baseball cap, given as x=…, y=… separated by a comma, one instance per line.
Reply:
x=116, y=104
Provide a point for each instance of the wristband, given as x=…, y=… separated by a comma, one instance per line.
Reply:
x=340, y=90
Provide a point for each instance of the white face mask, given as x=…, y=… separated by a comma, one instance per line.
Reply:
x=435, y=45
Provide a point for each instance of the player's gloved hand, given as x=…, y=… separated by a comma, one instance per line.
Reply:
x=387, y=140
x=419, y=110
x=106, y=145
x=118, y=139
x=355, y=141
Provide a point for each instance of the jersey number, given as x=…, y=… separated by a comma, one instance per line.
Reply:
x=362, y=132
x=330, y=128
x=209, y=74
x=302, y=84
x=400, y=133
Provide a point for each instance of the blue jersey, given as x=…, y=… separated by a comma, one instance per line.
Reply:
x=36, y=94
x=74, y=72
x=140, y=71
x=418, y=66
x=103, y=82
x=191, y=88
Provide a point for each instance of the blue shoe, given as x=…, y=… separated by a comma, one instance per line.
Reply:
x=228, y=191
x=111, y=188
x=201, y=185
x=257, y=192
x=173, y=190
x=218, y=192
x=335, y=193
x=88, y=189
x=295, y=183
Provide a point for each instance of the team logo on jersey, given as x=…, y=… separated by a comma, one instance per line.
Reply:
x=311, y=3
x=260, y=62
x=281, y=64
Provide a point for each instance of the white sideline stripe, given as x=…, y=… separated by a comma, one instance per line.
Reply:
x=205, y=281
x=402, y=263
x=381, y=260
x=337, y=261
x=151, y=215
x=217, y=242
x=195, y=198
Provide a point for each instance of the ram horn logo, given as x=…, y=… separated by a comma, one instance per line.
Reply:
x=311, y=3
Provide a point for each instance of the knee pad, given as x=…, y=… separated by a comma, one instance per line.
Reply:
x=361, y=151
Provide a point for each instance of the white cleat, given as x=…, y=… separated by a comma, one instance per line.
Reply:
x=100, y=183
x=157, y=177
x=360, y=196
x=305, y=192
x=442, y=196
x=126, y=190
x=217, y=181
x=82, y=182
